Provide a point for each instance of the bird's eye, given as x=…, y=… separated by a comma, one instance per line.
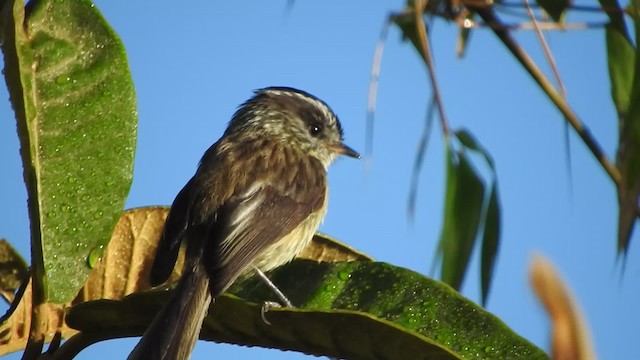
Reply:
x=315, y=129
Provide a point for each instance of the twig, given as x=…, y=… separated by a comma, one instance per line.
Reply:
x=373, y=86
x=563, y=91
x=417, y=165
x=489, y=17
x=425, y=51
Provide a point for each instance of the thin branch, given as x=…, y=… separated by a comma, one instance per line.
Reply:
x=545, y=48
x=373, y=86
x=563, y=90
x=425, y=51
x=419, y=160
x=489, y=17
x=527, y=26
x=574, y=7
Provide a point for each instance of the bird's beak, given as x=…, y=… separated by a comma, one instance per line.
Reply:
x=343, y=149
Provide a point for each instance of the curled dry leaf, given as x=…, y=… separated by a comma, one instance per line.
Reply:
x=123, y=268
x=570, y=337
x=13, y=270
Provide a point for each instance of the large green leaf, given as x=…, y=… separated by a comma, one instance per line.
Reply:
x=356, y=310
x=75, y=106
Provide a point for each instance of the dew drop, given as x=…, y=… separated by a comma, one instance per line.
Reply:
x=62, y=79
x=95, y=255
x=344, y=275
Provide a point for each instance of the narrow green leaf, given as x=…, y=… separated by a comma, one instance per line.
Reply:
x=628, y=156
x=355, y=310
x=75, y=105
x=463, y=209
x=469, y=141
x=621, y=61
x=490, y=222
x=616, y=16
x=555, y=8
x=490, y=241
x=451, y=179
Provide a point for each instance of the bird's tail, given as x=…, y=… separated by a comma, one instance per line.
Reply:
x=175, y=330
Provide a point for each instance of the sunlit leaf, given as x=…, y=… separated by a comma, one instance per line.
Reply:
x=122, y=269
x=74, y=100
x=356, y=310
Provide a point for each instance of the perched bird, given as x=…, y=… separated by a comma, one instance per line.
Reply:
x=257, y=198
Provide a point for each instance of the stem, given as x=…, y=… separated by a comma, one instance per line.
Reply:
x=489, y=17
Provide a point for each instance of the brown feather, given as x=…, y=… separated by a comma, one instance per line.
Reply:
x=291, y=186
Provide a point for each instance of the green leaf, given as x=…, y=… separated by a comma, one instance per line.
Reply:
x=490, y=222
x=469, y=141
x=628, y=156
x=490, y=241
x=621, y=61
x=462, y=212
x=616, y=16
x=355, y=310
x=74, y=100
x=555, y=8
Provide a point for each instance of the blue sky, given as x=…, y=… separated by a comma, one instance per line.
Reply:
x=194, y=63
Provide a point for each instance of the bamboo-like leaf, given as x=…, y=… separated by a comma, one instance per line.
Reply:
x=356, y=310
x=490, y=241
x=470, y=142
x=628, y=156
x=491, y=220
x=621, y=60
x=616, y=16
x=462, y=212
x=74, y=100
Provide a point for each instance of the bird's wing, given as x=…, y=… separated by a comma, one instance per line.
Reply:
x=259, y=216
x=171, y=237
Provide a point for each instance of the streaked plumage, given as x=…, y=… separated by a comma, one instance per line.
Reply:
x=257, y=198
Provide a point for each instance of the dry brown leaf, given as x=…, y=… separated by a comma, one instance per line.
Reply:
x=124, y=269
x=570, y=337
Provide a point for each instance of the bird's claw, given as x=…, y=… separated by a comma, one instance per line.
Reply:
x=266, y=306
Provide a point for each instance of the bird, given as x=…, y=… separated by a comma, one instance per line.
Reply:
x=256, y=199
